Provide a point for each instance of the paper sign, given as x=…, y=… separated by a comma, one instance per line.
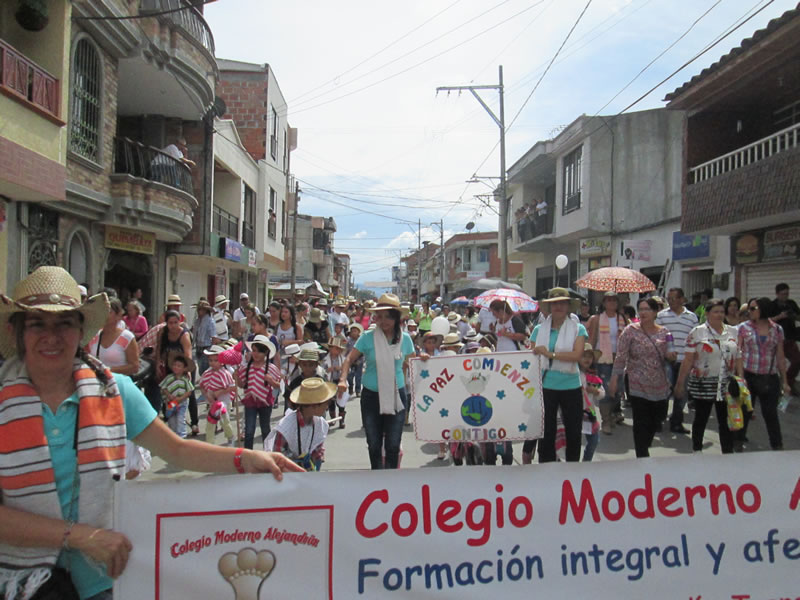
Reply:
x=477, y=397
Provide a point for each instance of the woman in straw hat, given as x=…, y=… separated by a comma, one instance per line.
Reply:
x=300, y=434
x=49, y=453
x=383, y=398
x=559, y=342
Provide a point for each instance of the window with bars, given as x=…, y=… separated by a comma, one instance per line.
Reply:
x=86, y=101
x=272, y=216
x=248, y=225
x=572, y=180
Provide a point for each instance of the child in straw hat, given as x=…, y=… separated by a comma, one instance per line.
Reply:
x=333, y=372
x=300, y=434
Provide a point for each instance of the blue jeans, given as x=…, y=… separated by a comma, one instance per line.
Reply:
x=604, y=372
x=250, y=413
x=177, y=422
x=354, y=377
x=591, y=446
x=383, y=431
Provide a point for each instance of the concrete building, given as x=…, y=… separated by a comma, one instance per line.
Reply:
x=341, y=275
x=741, y=166
x=128, y=89
x=314, y=268
x=605, y=191
x=419, y=273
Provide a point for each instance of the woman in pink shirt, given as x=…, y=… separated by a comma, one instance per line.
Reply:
x=134, y=320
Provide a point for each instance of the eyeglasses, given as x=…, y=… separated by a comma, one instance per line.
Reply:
x=752, y=307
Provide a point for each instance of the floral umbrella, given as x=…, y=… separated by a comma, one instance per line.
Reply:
x=517, y=300
x=616, y=279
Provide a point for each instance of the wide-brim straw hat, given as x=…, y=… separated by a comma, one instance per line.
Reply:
x=312, y=391
x=262, y=340
x=587, y=347
x=174, y=300
x=451, y=339
x=453, y=317
x=308, y=355
x=338, y=342
x=558, y=294
x=315, y=316
x=358, y=326
x=220, y=300
x=214, y=350
x=202, y=304
x=51, y=290
x=411, y=323
x=389, y=302
x=291, y=350
x=171, y=356
x=322, y=302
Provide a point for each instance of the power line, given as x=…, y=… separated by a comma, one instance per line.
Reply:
x=381, y=51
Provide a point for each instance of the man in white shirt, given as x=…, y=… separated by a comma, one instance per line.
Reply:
x=244, y=300
x=485, y=321
x=220, y=319
x=679, y=321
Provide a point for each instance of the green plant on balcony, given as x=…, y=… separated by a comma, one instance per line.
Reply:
x=32, y=14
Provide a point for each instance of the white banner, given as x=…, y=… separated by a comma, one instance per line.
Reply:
x=695, y=527
x=477, y=397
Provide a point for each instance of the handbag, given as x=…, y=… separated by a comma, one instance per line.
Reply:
x=58, y=587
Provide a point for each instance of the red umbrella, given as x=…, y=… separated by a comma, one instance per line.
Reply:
x=616, y=279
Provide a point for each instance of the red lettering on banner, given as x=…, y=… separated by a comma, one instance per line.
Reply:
x=383, y=496
x=795, y=499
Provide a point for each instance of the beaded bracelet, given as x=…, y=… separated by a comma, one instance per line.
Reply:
x=237, y=460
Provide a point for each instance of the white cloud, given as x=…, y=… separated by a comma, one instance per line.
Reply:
x=360, y=234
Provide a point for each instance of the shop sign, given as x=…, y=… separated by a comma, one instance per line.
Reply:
x=746, y=248
x=636, y=250
x=130, y=240
x=685, y=247
x=232, y=250
x=781, y=244
x=596, y=246
x=473, y=275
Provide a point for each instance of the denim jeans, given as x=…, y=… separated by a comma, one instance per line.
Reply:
x=591, y=446
x=604, y=372
x=250, y=413
x=177, y=422
x=571, y=404
x=354, y=379
x=676, y=418
x=383, y=431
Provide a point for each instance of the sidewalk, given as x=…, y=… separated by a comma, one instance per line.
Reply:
x=346, y=449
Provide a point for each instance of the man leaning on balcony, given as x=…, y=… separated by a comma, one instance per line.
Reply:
x=165, y=170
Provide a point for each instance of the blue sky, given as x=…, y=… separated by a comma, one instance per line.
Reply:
x=360, y=77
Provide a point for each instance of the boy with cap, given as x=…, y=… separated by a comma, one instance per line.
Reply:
x=300, y=434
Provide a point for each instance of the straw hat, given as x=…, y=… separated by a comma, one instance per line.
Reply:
x=483, y=350
x=338, y=342
x=358, y=326
x=214, y=350
x=322, y=302
x=558, y=294
x=313, y=390
x=587, y=347
x=220, y=300
x=315, y=316
x=451, y=339
x=388, y=302
x=453, y=317
x=411, y=323
x=190, y=366
x=262, y=340
x=309, y=355
x=291, y=350
x=51, y=290
x=202, y=304
x=174, y=300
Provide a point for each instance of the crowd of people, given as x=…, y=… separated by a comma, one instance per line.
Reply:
x=309, y=361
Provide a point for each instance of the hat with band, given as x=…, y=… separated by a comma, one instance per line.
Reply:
x=312, y=391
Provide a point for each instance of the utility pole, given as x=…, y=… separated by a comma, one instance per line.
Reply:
x=502, y=242
x=419, y=260
x=294, y=240
x=441, y=238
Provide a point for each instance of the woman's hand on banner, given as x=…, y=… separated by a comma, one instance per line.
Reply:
x=255, y=461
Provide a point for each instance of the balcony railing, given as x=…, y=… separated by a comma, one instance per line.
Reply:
x=225, y=224
x=185, y=16
x=134, y=158
x=23, y=79
x=784, y=140
x=530, y=225
x=248, y=235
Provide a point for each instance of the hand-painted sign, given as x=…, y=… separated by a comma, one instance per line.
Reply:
x=685, y=247
x=477, y=397
x=130, y=240
x=662, y=528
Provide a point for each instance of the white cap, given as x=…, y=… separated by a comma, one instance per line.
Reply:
x=243, y=295
x=82, y=289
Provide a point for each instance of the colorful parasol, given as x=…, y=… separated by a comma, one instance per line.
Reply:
x=616, y=279
x=461, y=300
x=517, y=300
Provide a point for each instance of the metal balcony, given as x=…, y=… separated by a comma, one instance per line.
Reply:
x=134, y=158
x=185, y=16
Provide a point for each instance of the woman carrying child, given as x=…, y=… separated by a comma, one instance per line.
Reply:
x=300, y=434
x=258, y=378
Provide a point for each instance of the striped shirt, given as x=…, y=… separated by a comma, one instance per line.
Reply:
x=759, y=353
x=176, y=386
x=257, y=391
x=215, y=380
x=679, y=326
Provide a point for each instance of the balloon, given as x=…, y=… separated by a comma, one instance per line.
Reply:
x=562, y=261
x=440, y=326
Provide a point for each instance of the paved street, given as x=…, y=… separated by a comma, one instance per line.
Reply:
x=346, y=448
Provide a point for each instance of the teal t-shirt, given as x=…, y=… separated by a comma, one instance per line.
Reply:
x=556, y=380
x=366, y=345
x=60, y=431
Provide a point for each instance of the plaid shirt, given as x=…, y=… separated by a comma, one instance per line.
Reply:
x=760, y=355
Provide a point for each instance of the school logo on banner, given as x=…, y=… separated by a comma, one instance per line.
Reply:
x=477, y=397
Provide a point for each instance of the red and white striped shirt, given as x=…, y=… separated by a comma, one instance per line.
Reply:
x=257, y=391
x=215, y=380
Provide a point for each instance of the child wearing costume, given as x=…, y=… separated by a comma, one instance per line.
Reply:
x=333, y=371
x=300, y=434
x=259, y=377
x=593, y=393
x=218, y=387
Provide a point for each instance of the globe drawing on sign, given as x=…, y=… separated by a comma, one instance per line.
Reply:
x=476, y=411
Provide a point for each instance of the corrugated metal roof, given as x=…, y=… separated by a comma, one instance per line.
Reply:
x=745, y=45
